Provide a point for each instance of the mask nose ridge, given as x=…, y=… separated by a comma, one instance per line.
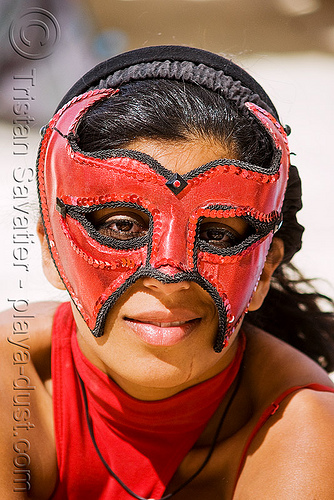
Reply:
x=169, y=246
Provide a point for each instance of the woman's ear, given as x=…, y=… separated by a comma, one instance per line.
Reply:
x=274, y=258
x=49, y=268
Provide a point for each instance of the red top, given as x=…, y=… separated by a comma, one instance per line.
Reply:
x=142, y=441
x=267, y=413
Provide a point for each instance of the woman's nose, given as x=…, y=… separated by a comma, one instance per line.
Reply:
x=165, y=288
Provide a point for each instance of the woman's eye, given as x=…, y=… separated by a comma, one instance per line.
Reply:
x=121, y=227
x=219, y=236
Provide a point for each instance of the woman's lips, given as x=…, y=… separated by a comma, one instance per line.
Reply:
x=161, y=332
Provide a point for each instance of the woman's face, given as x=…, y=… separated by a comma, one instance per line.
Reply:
x=158, y=338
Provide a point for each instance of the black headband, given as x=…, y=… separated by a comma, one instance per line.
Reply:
x=172, y=53
x=211, y=71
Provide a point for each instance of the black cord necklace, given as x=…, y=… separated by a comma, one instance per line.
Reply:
x=206, y=460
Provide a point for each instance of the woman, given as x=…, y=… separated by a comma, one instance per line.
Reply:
x=167, y=204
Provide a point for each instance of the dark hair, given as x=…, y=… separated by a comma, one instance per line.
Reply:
x=172, y=110
x=297, y=313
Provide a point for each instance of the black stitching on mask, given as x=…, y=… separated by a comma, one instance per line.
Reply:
x=253, y=221
x=123, y=153
x=168, y=174
x=80, y=214
x=273, y=169
x=150, y=272
x=203, y=246
x=262, y=228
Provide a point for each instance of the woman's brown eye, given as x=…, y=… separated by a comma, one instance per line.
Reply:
x=124, y=225
x=219, y=236
x=121, y=227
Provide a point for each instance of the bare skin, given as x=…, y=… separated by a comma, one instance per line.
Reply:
x=290, y=457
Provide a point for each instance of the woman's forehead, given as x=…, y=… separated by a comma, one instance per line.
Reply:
x=183, y=156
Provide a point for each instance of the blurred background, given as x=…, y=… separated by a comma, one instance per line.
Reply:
x=287, y=45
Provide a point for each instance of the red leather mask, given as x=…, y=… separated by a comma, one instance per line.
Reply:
x=97, y=269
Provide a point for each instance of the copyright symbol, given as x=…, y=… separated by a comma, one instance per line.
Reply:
x=34, y=34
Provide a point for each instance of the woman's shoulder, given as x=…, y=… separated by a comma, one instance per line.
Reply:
x=292, y=452
x=291, y=445
x=25, y=338
x=276, y=366
x=29, y=328
x=26, y=434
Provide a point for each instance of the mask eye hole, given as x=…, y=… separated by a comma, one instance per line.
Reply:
x=224, y=233
x=121, y=224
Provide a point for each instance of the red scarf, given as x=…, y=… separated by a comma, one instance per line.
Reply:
x=142, y=441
